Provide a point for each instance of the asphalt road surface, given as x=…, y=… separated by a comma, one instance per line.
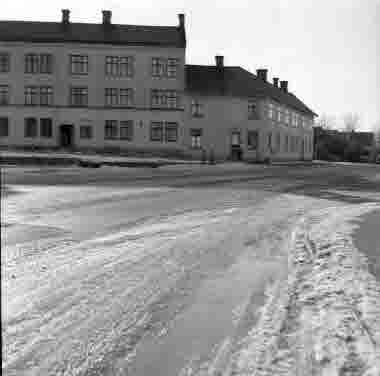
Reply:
x=116, y=271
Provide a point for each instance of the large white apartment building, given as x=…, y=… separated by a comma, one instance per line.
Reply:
x=91, y=85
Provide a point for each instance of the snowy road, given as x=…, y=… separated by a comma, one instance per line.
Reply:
x=128, y=277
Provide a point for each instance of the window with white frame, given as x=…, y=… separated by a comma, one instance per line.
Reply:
x=271, y=110
x=79, y=64
x=252, y=110
x=158, y=98
x=111, y=96
x=78, y=96
x=126, y=97
x=158, y=66
x=164, y=98
x=196, y=134
x=126, y=130
x=171, y=132
x=294, y=119
x=165, y=67
x=300, y=121
x=197, y=109
x=4, y=95
x=172, y=68
x=5, y=62
x=46, y=95
x=110, y=130
x=287, y=116
x=46, y=63
x=157, y=131
x=119, y=66
x=112, y=65
x=31, y=95
x=31, y=63
x=38, y=63
x=172, y=98
x=126, y=66
x=279, y=114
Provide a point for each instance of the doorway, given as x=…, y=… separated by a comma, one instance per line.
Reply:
x=66, y=132
x=236, y=151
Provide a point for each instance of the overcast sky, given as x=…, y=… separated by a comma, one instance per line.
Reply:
x=328, y=50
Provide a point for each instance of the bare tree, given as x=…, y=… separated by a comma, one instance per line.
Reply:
x=351, y=122
x=376, y=132
x=326, y=121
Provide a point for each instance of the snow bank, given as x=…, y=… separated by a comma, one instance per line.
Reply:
x=325, y=318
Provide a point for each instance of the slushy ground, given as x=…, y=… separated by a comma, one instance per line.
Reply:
x=138, y=272
x=367, y=240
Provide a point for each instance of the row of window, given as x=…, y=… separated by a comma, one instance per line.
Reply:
x=113, y=97
x=198, y=110
x=160, y=131
x=290, y=143
x=115, y=66
x=30, y=127
x=287, y=116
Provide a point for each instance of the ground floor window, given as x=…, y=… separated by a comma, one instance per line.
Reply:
x=30, y=127
x=278, y=141
x=126, y=130
x=252, y=140
x=85, y=131
x=171, y=132
x=156, y=131
x=270, y=140
x=110, y=129
x=4, y=127
x=46, y=127
x=196, y=134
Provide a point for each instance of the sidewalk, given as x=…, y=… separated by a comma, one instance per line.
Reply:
x=61, y=158
x=95, y=160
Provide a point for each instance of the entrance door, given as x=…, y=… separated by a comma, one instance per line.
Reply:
x=66, y=135
x=236, y=152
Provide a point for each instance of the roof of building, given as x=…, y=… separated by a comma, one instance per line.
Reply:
x=53, y=32
x=236, y=81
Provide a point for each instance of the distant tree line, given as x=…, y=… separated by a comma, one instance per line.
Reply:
x=347, y=145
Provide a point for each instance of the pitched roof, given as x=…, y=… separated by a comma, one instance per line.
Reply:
x=236, y=81
x=53, y=32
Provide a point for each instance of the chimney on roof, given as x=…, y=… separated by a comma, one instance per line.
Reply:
x=219, y=61
x=107, y=14
x=65, y=16
x=262, y=74
x=181, y=19
x=275, y=81
x=284, y=86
